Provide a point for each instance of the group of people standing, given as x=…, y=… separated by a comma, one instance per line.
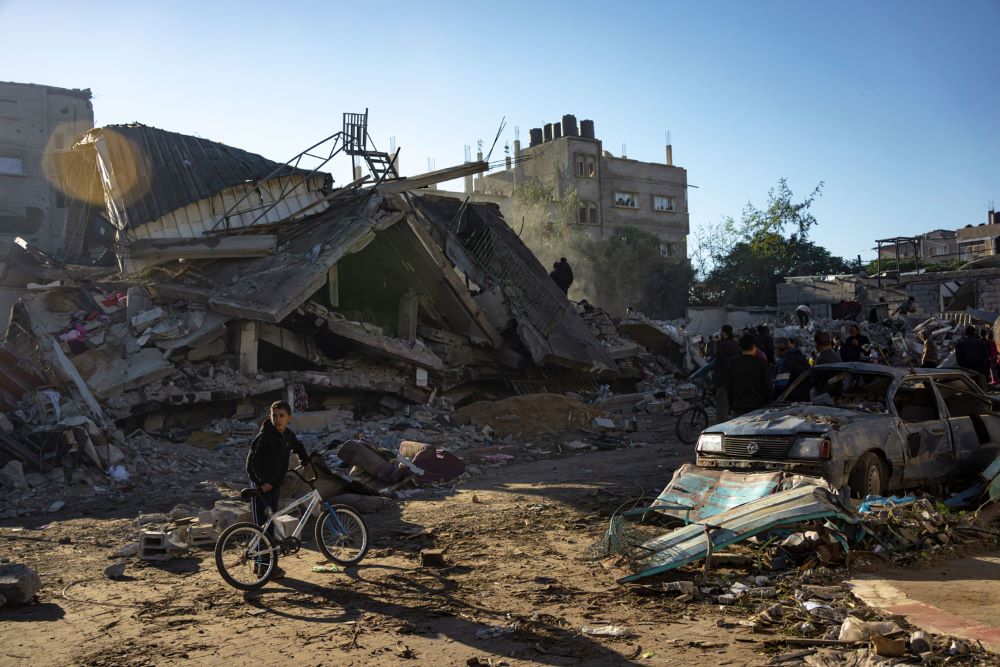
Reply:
x=750, y=371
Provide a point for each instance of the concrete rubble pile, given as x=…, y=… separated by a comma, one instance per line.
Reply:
x=778, y=563
x=375, y=311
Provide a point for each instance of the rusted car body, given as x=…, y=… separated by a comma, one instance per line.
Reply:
x=881, y=429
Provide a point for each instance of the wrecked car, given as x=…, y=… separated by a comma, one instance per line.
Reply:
x=876, y=430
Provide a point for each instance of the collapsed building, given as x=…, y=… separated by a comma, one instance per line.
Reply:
x=211, y=281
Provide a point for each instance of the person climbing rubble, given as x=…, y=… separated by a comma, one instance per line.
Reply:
x=562, y=275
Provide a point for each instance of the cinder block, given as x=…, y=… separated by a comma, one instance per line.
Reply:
x=154, y=545
x=284, y=526
x=227, y=512
x=201, y=534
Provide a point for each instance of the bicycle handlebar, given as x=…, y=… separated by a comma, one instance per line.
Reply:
x=299, y=467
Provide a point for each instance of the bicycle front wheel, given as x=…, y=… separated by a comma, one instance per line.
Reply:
x=690, y=424
x=342, y=535
x=245, y=557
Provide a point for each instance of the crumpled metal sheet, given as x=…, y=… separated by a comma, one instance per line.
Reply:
x=690, y=543
x=706, y=492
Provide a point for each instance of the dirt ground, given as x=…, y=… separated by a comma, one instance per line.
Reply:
x=517, y=589
x=516, y=539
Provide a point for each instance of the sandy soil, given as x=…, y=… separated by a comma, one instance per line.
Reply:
x=517, y=589
x=969, y=587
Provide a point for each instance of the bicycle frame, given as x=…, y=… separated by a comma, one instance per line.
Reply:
x=311, y=500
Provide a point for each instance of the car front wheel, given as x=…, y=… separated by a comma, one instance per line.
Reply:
x=869, y=477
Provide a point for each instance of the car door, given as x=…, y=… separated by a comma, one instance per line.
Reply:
x=970, y=420
x=925, y=434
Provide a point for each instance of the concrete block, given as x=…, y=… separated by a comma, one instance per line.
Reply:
x=201, y=534
x=18, y=583
x=227, y=512
x=284, y=526
x=12, y=475
x=154, y=545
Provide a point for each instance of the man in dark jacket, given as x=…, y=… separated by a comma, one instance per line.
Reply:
x=267, y=462
x=765, y=343
x=749, y=382
x=791, y=364
x=971, y=353
x=854, y=344
x=725, y=352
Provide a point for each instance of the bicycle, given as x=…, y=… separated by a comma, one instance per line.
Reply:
x=694, y=419
x=246, y=556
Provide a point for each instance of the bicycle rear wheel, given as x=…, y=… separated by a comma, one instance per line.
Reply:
x=245, y=557
x=342, y=536
x=690, y=424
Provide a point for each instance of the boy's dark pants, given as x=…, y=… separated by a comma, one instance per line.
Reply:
x=259, y=509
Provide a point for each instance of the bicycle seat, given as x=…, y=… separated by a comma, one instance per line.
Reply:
x=250, y=493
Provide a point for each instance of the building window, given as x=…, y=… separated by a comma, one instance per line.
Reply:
x=663, y=203
x=585, y=166
x=668, y=249
x=626, y=200
x=587, y=214
x=11, y=166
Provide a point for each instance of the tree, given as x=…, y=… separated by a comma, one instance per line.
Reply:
x=741, y=262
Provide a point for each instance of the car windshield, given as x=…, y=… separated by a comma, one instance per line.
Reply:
x=845, y=388
x=866, y=391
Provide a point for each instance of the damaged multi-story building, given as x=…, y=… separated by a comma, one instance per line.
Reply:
x=36, y=124
x=236, y=280
x=614, y=191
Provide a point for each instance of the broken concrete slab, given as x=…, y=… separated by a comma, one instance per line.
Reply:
x=212, y=247
x=12, y=476
x=207, y=350
x=380, y=344
x=19, y=584
x=144, y=367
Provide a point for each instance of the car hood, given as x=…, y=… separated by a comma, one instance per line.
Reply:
x=793, y=419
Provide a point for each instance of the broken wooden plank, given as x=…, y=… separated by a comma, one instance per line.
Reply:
x=380, y=344
x=433, y=177
x=213, y=247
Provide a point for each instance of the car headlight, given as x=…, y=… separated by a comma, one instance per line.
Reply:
x=810, y=448
x=710, y=442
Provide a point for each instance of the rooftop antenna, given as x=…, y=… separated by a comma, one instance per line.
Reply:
x=479, y=145
x=506, y=148
x=517, y=132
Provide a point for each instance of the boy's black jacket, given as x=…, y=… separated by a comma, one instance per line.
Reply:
x=267, y=461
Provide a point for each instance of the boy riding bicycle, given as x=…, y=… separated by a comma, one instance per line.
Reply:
x=267, y=462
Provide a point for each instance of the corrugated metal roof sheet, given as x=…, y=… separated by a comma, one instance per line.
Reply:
x=690, y=543
x=158, y=171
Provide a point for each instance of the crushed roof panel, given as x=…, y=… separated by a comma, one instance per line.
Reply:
x=165, y=171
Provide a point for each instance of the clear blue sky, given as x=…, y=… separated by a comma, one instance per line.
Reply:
x=895, y=105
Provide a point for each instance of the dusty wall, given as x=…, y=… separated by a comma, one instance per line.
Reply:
x=35, y=119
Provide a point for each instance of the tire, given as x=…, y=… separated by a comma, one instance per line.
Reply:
x=870, y=476
x=344, y=538
x=231, y=559
x=690, y=424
